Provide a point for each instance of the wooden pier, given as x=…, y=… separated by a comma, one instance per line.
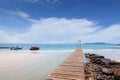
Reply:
x=71, y=69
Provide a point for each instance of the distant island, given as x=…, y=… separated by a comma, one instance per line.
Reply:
x=118, y=44
x=99, y=43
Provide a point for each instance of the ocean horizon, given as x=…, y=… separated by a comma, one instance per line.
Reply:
x=63, y=46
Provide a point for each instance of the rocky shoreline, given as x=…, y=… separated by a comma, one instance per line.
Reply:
x=101, y=68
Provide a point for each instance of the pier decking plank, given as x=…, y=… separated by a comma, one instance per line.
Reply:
x=71, y=69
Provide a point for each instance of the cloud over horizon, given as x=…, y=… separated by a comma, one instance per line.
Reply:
x=41, y=2
x=62, y=30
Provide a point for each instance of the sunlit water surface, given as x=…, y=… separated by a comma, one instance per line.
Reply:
x=36, y=65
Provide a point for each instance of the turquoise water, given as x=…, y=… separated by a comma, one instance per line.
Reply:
x=63, y=46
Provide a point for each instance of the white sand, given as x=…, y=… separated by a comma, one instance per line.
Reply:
x=29, y=65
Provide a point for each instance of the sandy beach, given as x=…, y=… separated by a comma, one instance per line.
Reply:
x=36, y=65
x=29, y=65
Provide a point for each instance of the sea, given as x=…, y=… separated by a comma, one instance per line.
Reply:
x=63, y=46
x=36, y=65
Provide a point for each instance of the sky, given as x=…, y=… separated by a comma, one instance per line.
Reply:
x=59, y=21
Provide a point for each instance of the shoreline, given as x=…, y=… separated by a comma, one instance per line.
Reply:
x=109, y=53
x=101, y=68
x=61, y=50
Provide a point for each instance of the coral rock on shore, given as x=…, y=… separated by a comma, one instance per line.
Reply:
x=100, y=68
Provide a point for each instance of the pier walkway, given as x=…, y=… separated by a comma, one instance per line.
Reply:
x=71, y=69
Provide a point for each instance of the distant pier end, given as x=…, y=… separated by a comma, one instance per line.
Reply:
x=71, y=69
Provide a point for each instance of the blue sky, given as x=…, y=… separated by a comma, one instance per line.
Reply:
x=59, y=21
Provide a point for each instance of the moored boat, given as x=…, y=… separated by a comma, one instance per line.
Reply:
x=15, y=48
x=34, y=48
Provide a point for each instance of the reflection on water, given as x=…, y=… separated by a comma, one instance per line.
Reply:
x=113, y=54
x=30, y=65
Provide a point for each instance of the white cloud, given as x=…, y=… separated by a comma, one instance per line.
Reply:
x=106, y=35
x=32, y=1
x=52, y=1
x=6, y=38
x=41, y=1
x=15, y=13
x=22, y=14
x=60, y=30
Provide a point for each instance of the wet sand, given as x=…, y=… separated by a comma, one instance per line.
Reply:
x=30, y=65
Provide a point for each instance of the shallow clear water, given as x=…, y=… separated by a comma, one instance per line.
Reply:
x=113, y=54
x=30, y=65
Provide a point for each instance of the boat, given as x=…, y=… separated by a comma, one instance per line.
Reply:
x=34, y=48
x=15, y=48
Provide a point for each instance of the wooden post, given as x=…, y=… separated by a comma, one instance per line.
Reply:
x=79, y=44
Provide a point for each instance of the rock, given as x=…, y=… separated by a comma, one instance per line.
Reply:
x=88, y=55
x=90, y=78
x=100, y=68
x=107, y=71
x=114, y=63
x=117, y=74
